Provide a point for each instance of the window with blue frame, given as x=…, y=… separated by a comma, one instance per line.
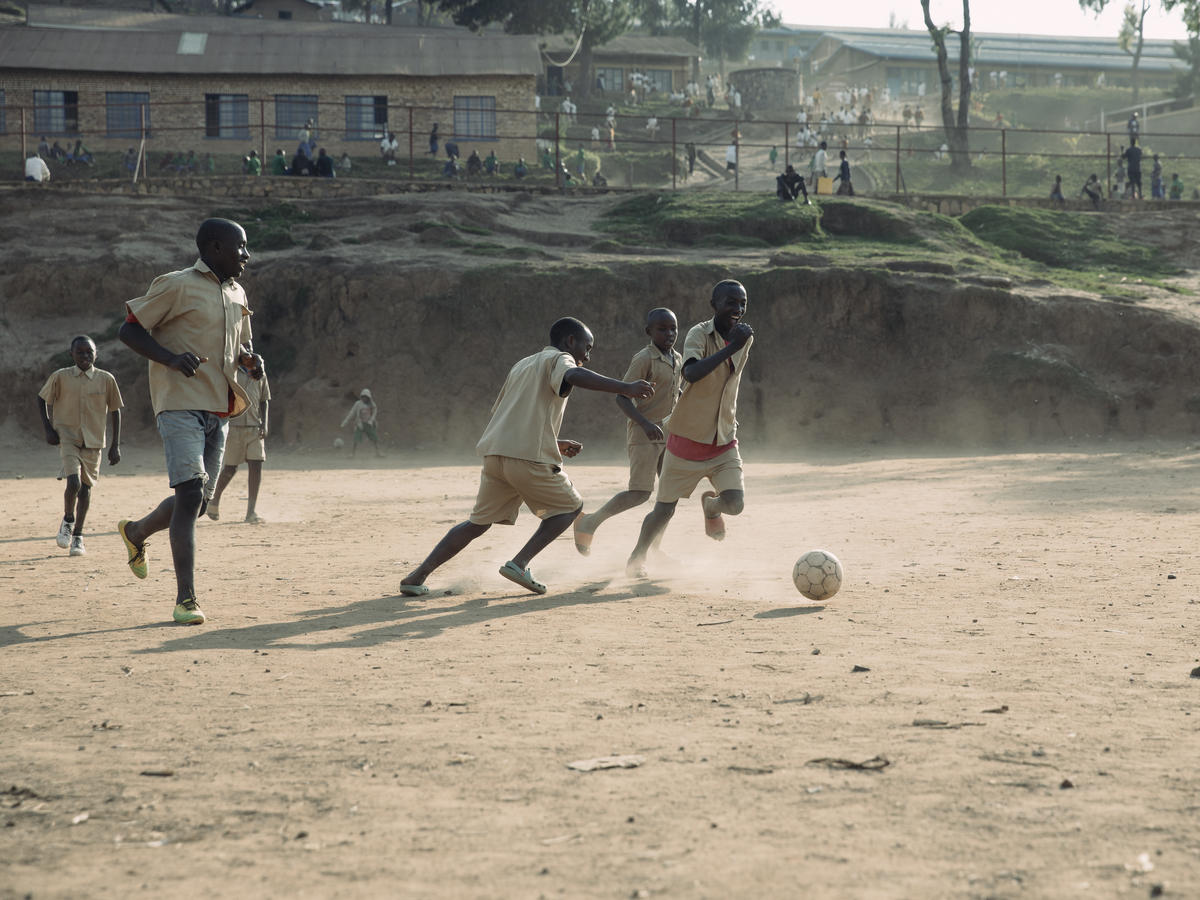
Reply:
x=126, y=112
x=475, y=118
x=56, y=112
x=292, y=111
x=227, y=115
x=366, y=117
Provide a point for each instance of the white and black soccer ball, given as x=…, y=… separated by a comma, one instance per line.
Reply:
x=338, y=443
x=817, y=574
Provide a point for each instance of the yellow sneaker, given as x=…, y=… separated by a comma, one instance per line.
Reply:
x=188, y=613
x=137, y=555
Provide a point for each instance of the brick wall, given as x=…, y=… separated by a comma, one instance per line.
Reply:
x=177, y=110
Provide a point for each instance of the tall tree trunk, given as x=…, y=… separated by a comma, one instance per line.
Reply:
x=1137, y=53
x=587, y=67
x=960, y=146
x=954, y=129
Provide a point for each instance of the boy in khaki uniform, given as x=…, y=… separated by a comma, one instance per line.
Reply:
x=522, y=454
x=193, y=326
x=80, y=397
x=246, y=443
x=661, y=365
x=702, y=431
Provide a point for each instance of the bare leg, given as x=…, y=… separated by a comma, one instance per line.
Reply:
x=447, y=548
x=542, y=538
x=223, y=480
x=178, y=513
x=617, y=505
x=254, y=476
x=731, y=502
x=81, y=506
x=653, y=527
x=70, y=495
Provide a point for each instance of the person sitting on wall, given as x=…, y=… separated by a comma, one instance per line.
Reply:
x=388, y=147
x=451, y=168
x=325, y=164
x=491, y=163
x=520, y=169
x=474, y=165
x=452, y=149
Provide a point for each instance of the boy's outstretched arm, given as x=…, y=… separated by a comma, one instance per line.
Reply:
x=114, y=449
x=593, y=381
x=51, y=433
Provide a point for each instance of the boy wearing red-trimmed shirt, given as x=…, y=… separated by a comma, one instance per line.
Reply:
x=702, y=431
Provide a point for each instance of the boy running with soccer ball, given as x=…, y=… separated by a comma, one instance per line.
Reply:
x=702, y=431
x=522, y=454
x=661, y=365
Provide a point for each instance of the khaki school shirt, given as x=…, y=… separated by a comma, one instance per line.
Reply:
x=191, y=311
x=665, y=372
x=707, y=409
x=529, y=410
x=79, y=404
x=257, y=390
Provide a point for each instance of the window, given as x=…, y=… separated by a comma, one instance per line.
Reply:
x=366, y=117
x=56, y=112
x=291, y=112
x=125, y=111
x=227, y=115
x=475, y=118
x=285, y=13
x=610, y=78
x=660, y=79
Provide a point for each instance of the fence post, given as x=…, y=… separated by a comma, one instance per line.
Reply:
x=674, y=157
x=558, y=155
x=262, y=131
x=737, y=155
x=1108, y=165
x=1003, y=162
x=410, y=144
x=787, y=145
x=24, y=152
x=897, y=159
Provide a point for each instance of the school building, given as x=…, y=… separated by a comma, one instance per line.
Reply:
x=666, y=62
x=225, y=84
x=902, y=60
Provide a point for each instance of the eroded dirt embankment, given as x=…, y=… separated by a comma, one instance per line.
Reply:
x=843, y=356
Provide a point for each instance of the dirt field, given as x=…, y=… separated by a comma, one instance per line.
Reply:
x=1025, y=626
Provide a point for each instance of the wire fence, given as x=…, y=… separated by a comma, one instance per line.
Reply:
x=235, y=135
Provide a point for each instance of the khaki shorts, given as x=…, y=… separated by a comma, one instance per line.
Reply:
x=242, y=444
x=645, y=459
x=505, y=482
x=81, y=461
x=679, y=477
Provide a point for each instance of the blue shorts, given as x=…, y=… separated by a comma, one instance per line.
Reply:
x=194, y=442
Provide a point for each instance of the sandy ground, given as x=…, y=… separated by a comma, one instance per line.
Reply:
x=1025, y=625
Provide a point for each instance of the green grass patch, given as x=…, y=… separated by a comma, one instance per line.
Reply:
x=1066, y=240
x=268, y=228
x=708, y=219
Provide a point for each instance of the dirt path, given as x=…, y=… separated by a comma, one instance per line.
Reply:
x=1024, y=626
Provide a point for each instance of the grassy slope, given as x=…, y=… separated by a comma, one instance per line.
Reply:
x=1077, y=250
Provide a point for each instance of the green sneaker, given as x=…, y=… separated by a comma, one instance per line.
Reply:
x=137, y=555
x=188, y=613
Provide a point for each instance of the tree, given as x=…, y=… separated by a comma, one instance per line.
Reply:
x=1189, y=53
x=956, y=129
x=720, y=28
x=1131, y=37
x=593, y=23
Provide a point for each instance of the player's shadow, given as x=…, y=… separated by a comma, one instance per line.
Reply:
x=11, y=635
x=397, y=617
x=789, y=611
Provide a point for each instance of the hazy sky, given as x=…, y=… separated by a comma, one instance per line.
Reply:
x=1014, y=16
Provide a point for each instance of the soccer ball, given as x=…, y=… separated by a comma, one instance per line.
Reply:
x=338, y=443
x=817, y=574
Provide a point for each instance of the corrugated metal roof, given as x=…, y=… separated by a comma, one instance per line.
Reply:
x=148, y=43
x=994, y=50
x=630, y=45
